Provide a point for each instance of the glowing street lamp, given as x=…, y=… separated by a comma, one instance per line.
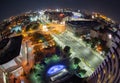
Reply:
x=110, y=36
x=45, y=28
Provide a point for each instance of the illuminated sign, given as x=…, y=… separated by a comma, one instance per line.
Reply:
x=55, y=69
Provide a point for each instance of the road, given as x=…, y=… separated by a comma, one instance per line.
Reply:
x=90, y=59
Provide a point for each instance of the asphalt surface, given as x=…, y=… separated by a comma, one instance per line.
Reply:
x=90, y=59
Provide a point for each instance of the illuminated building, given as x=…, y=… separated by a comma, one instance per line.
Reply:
x=109, y=70
x=81, y=26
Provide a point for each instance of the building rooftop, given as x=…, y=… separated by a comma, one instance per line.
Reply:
x=83, y=23
x=10, y=51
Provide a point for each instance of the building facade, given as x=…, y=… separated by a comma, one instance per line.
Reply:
x=80, y=27
x=109, y=70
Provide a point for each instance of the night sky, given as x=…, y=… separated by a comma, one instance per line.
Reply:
x=110, y=8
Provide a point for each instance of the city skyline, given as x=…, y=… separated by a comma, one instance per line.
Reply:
x=109, y=8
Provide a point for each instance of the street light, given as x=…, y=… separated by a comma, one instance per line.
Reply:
x=45, y=28
x=109, y=36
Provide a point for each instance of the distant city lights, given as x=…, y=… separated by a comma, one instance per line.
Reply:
x=57, y=10
x=16, y=29
x=34, y=18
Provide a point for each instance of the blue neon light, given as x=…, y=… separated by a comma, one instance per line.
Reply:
x=55, y=69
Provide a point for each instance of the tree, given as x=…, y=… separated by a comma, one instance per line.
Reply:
x=76, y=60
x=66, y=51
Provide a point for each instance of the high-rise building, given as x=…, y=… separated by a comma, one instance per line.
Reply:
x=109, y=70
